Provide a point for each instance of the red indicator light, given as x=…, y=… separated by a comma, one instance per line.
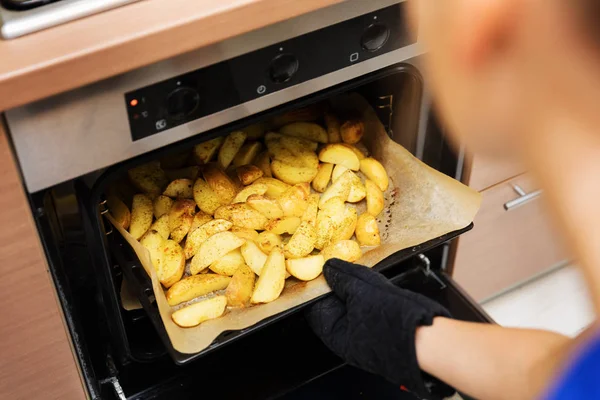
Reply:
x=133, y=102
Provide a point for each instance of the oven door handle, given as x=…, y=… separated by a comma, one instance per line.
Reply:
x=524, y=198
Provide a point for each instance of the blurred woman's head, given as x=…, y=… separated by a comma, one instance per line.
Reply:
x=501, y=68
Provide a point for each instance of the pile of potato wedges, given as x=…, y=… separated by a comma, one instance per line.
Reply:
x=246, y=211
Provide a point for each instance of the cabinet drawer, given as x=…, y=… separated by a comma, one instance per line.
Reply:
x=506, y=247
x=483, y=172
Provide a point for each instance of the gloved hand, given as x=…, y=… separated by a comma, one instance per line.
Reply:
x=371, y=324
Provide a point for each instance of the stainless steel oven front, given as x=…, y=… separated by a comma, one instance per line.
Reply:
x=66, y=144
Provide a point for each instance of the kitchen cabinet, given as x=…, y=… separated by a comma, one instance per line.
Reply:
x=507, y=246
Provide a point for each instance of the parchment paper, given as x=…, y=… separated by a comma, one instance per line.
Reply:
x=421, y=204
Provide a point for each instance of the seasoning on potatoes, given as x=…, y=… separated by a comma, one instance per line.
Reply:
x=268, y=207
x=352, y=131
x=302, y=241
x=162, y=205
x=255, y=188
x=220, y=183
x=198, y=236
x=205, y=197
x=247, y=153
x=149, y=178
x=337, y=153
x=195, y=286
x=199, y=312
x=305, y=130
x=173, y=264
x=267, y=241
x=248, y=173
x=232, y=144
x=275, y=187
x=161, y=225
x=263, y=161
x=181, y=217
x=141, y=215
x=204, y=152
x=242, y=215
x=180, y=189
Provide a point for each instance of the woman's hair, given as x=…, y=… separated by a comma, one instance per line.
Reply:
x=589, y=13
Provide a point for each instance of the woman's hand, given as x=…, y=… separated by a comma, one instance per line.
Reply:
x=371, y=324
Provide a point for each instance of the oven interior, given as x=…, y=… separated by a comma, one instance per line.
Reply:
x=121, y=353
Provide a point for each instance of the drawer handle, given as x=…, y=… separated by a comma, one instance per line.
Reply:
x=524, y=198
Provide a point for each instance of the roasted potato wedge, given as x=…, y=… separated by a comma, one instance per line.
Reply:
x=154, y=243
x=181, y=217
x=347, y=250
x=302, y=241
x=297, y=145
x=247, y=153
x=359, y=154
x=328, y=220
x=213, y=248
x=228, y=264
x=323, y=177
x=242, y=215
x=283, y=225
x=199, y=312
x=275, y=187
x=200, y=218
x=255, y=188
x=253, y=256
x=310, y=214
x=195, y=286
x=367, y=231
x=204, y=152
x=205, y=197
x=180, y=189
x=263, y=161
x=255, y=131
x=337, y=153
x=305, y=130
x=352, y=131
x=149, y=178
x=375, y=200
x=333, y=128
x=199, y=235
x=357, y=189
x=239, y=291
x=272, y=278
x=248, y=173
x=282, y=147
x=306, y=268
x=340, y=188
x=375, y=172
x=293, y=174
x=141, y=215
x=245, y=233
x=220, y=183
x=183, y=173
x=345, y=228
x=173, y=265
x=161, y=226
x=267, y=241
x=119, y=211
x=293, y=201
x=232, y=144
x=162, y=205
x=268, y=207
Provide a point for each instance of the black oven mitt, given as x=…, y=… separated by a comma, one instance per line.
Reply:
x=371, y=324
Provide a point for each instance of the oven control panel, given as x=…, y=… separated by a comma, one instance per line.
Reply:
x=156, y=108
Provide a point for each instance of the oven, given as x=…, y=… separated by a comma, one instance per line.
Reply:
x=69, y=146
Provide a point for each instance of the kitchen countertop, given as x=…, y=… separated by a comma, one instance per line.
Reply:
x=106, y=44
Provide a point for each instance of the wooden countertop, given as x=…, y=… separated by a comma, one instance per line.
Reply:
x=106, y=44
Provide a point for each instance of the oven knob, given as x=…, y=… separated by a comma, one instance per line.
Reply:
x=375, y=37
x=283, y=68
x=182, y=101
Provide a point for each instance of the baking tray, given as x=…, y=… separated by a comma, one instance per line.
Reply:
x=141, y=284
